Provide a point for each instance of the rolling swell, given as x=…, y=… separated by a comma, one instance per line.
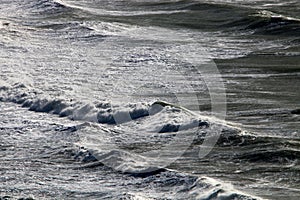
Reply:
x=212, y=17
x=268, y=23
x=188, y=14
x=245, y=18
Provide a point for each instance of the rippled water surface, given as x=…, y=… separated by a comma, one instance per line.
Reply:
x=140, y=99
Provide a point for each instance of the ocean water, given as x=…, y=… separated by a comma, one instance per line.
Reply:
x=149, y=99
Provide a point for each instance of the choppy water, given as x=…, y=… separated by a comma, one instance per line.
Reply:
x=117, y=99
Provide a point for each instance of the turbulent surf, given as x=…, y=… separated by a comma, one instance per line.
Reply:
x=141, y=99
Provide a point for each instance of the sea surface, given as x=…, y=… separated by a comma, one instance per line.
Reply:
x=150, y=99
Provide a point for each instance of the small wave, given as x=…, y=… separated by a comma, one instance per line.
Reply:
x=119, y=9
x=47, y=7
x=279, y=156
x=270, y=150
x=245, y=18
x=266, y=22
x=61, y=26
x=220, y=190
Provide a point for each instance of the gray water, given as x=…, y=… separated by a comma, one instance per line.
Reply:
x=149, y=99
